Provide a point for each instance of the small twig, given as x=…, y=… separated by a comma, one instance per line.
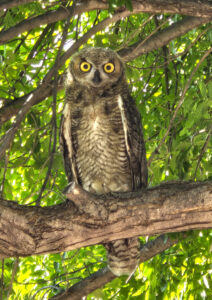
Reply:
x=15, y=268
x=54, y=121
x=179, y=104
x=2, y=278
x=161, y=38
x=149, y=36
x=173, y=56
x=133, y=34
x=104, y=275
x=97, y=17
x=77, y=28
x=45, y=287
x=4, y=174
x=203, y=151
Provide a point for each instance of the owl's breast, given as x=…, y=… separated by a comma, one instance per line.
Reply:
x=101, y=157
x=92, y=117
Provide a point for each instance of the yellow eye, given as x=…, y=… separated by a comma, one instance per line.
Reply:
x=109, y=68
x=85, y=66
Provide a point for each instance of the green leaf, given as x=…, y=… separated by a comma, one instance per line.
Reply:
x=129, y=5
x=157, y=78
x=203, y=90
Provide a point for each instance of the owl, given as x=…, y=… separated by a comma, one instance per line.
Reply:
x=101, y=138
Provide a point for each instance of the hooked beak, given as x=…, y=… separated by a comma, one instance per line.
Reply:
x=96, y=79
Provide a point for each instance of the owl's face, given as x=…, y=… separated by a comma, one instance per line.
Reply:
x=96, y=67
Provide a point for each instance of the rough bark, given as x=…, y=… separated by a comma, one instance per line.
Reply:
x=5, y=4
x=198, y=8
x=90, y=220
x=188, y=7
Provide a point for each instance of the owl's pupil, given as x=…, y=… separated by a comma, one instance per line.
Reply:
x=85, y=66
x=108, y=68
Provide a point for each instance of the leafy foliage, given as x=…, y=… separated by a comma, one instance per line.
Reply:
x=32, y=170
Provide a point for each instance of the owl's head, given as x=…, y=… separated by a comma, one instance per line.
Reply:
x=96, y=67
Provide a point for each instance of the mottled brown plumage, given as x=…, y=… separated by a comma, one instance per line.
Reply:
x=101, y=137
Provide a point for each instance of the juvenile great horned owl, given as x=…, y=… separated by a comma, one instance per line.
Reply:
x=101, y=138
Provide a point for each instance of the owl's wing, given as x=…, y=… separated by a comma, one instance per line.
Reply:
x=66, y=144
x=134, y=142
x=64, y=149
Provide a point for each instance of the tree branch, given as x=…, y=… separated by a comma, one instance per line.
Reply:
x=13, y=107
x=89, y=220
x=155, y=41
x=48, y=18
x=104, y=275
x=189, y=7
x=29, y=101
x=196, y=8
x=5, y=4
x=161, y=38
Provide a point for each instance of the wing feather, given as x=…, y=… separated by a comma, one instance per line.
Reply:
x=134, y=140
x=66, y=144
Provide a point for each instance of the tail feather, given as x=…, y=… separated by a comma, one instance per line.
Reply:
x=123, y=256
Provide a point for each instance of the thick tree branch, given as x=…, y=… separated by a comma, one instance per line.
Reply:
x=161, y=38
x=202, y=8
x=5, y=4
x=92, y=220
x=190, y=7
x=48, y=18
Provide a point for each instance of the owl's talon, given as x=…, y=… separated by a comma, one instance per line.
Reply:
x=77, y=195
x=69, y=188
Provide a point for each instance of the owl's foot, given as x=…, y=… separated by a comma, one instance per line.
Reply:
x=87, y=203
x=69, y=188
x=75, y=193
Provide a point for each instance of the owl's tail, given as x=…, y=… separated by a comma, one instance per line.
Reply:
x=123, y=256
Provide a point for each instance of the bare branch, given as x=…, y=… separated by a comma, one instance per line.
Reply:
x=104, y=275
x=161, y=38
x=47, y=18
x=5, y=4
x=54, y=122
x=203, y=151
x=14, y=271
x=27, y=25
x=87, y=285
